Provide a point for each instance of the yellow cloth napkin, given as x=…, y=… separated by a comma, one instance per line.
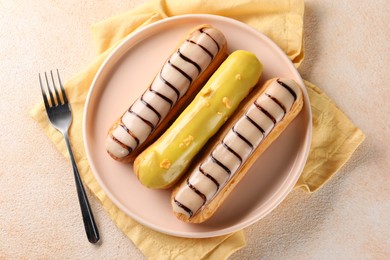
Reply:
x=335, y=138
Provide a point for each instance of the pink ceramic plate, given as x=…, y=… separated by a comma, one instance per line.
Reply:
x=128, y=71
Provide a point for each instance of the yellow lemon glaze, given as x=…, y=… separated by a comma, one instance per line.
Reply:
x=165, y=161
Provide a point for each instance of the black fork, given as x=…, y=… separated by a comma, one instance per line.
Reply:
x=60, y=116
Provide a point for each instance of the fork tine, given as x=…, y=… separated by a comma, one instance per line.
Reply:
x=43, y=93
x=57, y=96
x=52, y=101
x=62, y=88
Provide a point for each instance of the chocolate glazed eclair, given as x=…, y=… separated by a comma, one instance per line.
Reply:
x=197, y=56
x=234, y=150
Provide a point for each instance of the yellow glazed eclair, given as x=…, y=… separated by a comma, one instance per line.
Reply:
x=188, y=68
x=234, y=150
x=165, y=161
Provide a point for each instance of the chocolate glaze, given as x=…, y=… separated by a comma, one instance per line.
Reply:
x=209, y=176
x=181, y=55
x=277, y=102
x=220, y=164
x=242, y=137
x=232, y=151
x=192, y=187
x=143, y=119
x=129, y=132
x=216, y=43
x=183, y=207
x=255, y=124
x=265, y=112
x=128, y=148
x=151, y=108
x=121, y=144
x=182, y=72
x=168, y=100
x=292, y=92
x=170, y=85
x=203, y=48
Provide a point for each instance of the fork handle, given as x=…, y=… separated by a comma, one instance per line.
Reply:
x=88, y=219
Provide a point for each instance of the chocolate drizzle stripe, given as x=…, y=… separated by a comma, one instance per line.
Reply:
x=220, y=164
x=202, y=30
x=232, y=151
x=277, y=102
x=203, y=48
x=181, y=55
x=168, y=100
x=170, y=85
x=292, y=92
x=265, y=112
x=198, y=192
x=183, y=207
x=128, y=148
x=182, y=72
x=243, y=138
x=143, y=119
x=255, y=124
x=151, y=108
x=130, y=133
x=209, y=176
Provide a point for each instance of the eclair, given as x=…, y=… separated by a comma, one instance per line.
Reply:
x=164, y=162
x=244, y=138
x=197, y=56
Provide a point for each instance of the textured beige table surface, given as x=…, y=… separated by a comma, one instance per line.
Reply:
x=347, y=55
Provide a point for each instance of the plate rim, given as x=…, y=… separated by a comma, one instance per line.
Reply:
x=222, y=231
